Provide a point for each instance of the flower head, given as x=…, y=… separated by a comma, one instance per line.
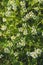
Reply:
x=6, y=50
x=3, y=27
x=1, y=55
x=33, y=54
x=4, y=19
x=33, y=31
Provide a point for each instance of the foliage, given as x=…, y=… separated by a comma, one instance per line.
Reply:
x=21, y=32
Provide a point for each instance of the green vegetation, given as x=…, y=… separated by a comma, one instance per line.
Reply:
x=21, y=32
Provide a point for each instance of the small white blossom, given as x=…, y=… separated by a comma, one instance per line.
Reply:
x=27, y=16
x=20, y=29
x=18, y=34
x=13, y=37
x=31, y=14
x=24, y=9
x=1, y=55
x=33, y=54
x=38, y=51
x=3, y=27
x=10, y=2
x=10, y=44
x=6, y=50
x=9, y=8
x=28, y=53
x=22, y=3
x=7, y=13
x=14, y=7
x=21, y=44
x=16, y=54
x=33, y=31
x=25, y=32
x=24, y=25
x=4, y=19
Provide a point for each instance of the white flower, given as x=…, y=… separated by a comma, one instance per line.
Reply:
x=14, y=7
x=6, y=50
x=33, y=54
x=27, y=16
x=33, y=31
x=20, y=29
x=7, y=13
x=3, y=27
x=22, y=3
x=31, y=14
x=4, y=19
x=16, y=54
x=13, y=37
x=28, y=53
x=18, y=34
x=10, y=2
x=38, y=51
x=21, y=43
x=24, y=25
x=25, y=32
x=9, y=8
x=24, y=9
x=10, y=44
x=1, y=55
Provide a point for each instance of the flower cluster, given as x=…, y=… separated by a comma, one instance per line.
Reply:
x=35, y=53
x=28, y=16
x=23, y=7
